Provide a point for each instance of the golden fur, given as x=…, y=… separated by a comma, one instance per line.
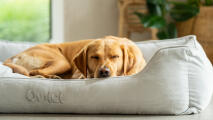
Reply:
x=80, y=59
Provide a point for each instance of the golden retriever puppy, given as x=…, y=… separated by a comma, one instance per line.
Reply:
x=95, y=58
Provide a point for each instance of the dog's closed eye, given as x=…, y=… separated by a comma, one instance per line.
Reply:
x=95, y=57
x=114, y=56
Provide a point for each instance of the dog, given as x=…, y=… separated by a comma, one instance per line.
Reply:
x=94, y=58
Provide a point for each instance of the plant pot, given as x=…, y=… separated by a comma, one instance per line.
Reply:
x=202, y=27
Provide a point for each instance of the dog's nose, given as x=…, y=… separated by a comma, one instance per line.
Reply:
x=104, y=72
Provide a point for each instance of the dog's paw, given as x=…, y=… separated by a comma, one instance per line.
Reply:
x=37, y=76
x=54, y=77
x=34, y=73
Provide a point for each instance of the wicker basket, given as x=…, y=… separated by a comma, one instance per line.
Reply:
x=202, y=27
x=128, y=21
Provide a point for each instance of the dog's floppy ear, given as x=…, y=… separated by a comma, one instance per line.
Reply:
x=80, y=61
x=127, y=59
x=133, y=60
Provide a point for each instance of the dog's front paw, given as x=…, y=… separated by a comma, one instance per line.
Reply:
x=37, y=76
x=54, y=77
x=34, y=73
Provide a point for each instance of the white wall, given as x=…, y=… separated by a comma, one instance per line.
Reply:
x=57, y=21
x=84, y=19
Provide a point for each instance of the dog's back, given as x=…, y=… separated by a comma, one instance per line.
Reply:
x=44, y=55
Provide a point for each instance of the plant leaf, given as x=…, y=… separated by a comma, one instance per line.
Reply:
x=152, y=8
x=208, y=2
x=194, y=2
x=150, y=20
x=154, y=21
x=162, y=34
x=167, y=32
x=139, y=14
x=157, y=9
x=182, y=12
x=172, y=30
x=156, y=1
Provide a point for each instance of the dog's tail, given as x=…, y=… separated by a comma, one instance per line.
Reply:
x=16, y=68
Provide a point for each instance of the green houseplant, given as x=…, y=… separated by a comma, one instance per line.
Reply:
x=208, y=2
x=201, y=26
x=163, y=15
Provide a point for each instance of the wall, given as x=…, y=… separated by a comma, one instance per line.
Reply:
x=84, y=19
x=57, y=21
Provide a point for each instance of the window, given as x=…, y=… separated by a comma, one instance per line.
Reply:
x=25, y=20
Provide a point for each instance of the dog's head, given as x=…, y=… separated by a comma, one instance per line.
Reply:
x=110, y=56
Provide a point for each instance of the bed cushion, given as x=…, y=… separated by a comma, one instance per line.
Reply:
x=8, y=49
x=177, y=80
x=7, y=72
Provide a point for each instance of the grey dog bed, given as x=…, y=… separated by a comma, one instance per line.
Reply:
x=177, y=80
